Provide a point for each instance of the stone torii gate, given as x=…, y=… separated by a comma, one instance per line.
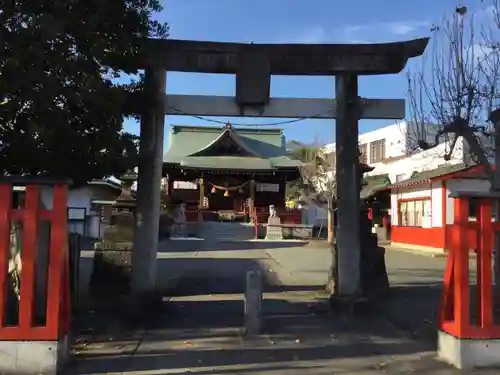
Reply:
x=253, y=65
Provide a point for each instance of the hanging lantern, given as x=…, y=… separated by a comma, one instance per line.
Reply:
x=226, y=194
x=213, y=191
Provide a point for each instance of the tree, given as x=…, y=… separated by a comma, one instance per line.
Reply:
x=316, y=182
x=61, y=113
x=454, y=95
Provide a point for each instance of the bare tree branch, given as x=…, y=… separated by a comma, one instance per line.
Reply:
x=454, y=92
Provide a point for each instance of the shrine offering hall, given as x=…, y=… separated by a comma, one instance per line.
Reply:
x=237, y=171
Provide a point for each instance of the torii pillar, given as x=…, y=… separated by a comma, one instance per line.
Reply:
x=253, y=65
x=145, y=248
x=347, y=179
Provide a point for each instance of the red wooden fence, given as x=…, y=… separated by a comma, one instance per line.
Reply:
x=459, y=315
x=58, y=315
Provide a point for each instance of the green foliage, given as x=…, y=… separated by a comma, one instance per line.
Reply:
x=61, y=115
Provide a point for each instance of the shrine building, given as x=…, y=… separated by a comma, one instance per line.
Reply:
x=422, y=207
x=236, y=172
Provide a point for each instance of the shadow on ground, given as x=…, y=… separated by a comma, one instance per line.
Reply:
x=201, y=334
x=180, y=246
x=199, y=275
x=414, y=309
x=200, y=327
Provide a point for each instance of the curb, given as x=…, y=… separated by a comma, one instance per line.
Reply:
x=415, y=251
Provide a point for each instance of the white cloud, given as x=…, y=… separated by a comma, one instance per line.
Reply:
x=405, y=27
x=312, y=35
x=353, y=29
x=396, y=28
x=486, y=13
x=480, y=52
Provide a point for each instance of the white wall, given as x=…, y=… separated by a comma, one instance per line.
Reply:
x=437, y=204
x=417, y=191
x=394, y=135
x=401, y=156
x=82, y=198
x=395, y=139
x=435, y=191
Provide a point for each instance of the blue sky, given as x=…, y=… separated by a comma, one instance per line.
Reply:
x=297, y=21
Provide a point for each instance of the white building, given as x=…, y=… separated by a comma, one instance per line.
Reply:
x=419, y=207
x=85, y=205
x=422, y=209
x=392, y=150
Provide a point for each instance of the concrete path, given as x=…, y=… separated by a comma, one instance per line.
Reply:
x=199, y=330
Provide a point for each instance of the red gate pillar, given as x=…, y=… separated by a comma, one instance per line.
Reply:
x=469, y=328
x=35, y=319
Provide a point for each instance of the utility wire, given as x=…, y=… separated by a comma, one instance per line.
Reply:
x=316, y=115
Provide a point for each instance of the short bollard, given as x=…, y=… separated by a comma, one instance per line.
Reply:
x=253, y=303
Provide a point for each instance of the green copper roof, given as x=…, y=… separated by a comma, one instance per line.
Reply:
x=371, y=184
x=226, y=162
x=264, y=148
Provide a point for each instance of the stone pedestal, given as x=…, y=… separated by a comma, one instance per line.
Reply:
x=274, y=230
x=373, y=274
x=468, y=354
x=34, y=357
x=111, y=276
x=373, y=279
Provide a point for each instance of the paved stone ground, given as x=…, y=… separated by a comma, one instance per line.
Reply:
x=199, y=330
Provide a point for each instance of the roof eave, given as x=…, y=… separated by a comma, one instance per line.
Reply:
x=227, y=133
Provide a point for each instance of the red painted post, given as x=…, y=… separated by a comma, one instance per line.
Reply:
x=58, y=250
x=478, y=339
x=454, y=315
x=58, y=317
x=484, y=259
x=29, y=247
x=461, y=267
x=5, y=210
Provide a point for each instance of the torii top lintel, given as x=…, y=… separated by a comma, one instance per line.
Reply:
x=284, y=59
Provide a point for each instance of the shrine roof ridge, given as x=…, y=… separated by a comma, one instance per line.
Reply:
x=220, y=129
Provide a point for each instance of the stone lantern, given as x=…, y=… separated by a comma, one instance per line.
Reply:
x=113, y=254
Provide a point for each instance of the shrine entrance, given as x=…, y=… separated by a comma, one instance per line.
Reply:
x=237, y=171
x=253, y=65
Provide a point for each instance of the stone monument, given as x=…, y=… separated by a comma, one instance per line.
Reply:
x=110, y=281
x=274, y=230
